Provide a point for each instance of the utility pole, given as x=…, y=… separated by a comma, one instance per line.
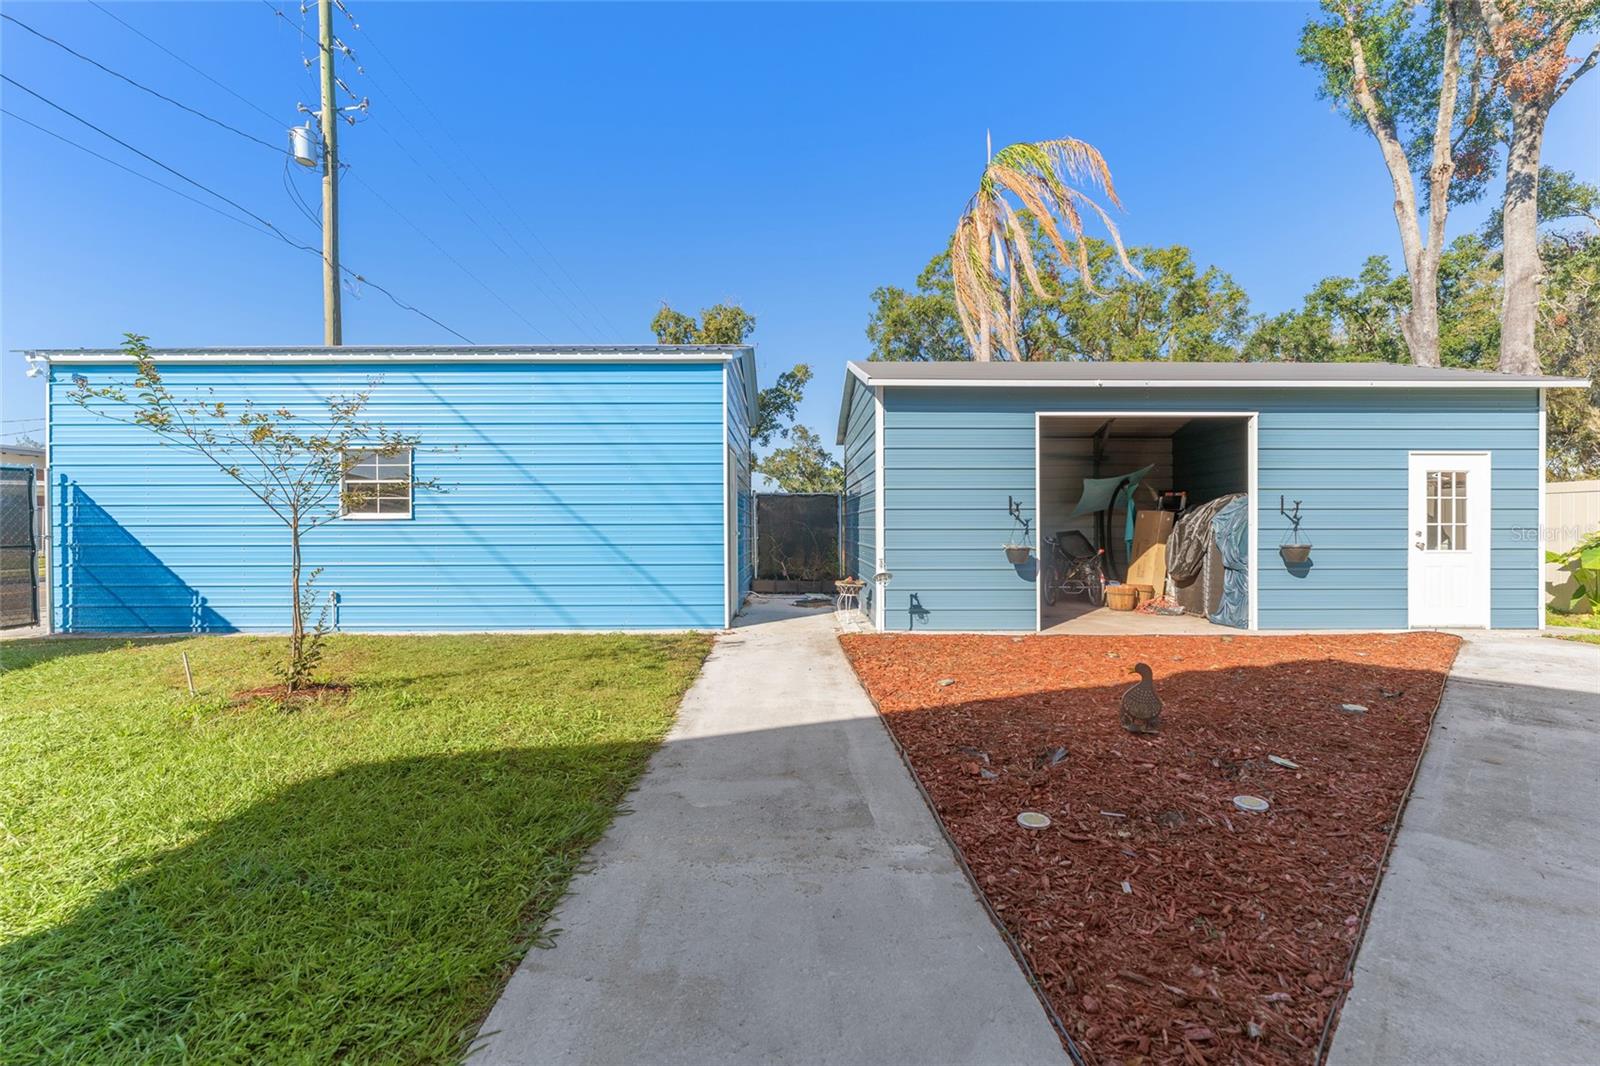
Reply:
x=332, y=318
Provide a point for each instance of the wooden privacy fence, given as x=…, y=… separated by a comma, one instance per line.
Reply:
x=798, y=541
x=1571, y=512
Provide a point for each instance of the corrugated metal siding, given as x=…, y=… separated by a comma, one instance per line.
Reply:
x=578, y=496
x=952, y=456
x=860, y=492
x=1211, y=458
x=739, y=441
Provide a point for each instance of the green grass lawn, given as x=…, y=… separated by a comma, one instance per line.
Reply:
x=1581, y=621
x=182, y=879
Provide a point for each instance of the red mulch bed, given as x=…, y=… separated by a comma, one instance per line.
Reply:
x=1234, y=942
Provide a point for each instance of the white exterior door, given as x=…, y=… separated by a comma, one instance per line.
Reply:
x=1447, y=580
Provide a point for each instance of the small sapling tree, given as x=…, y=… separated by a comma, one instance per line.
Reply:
x=305, y=469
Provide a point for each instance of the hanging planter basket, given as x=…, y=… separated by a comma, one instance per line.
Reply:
x=1296, y=554
x=1017, y=554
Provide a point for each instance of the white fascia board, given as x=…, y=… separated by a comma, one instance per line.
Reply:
x=879, y=492
x=844, y=411
x=463, y=358
x=729, y=514
x=859, y=375
x=1232, y=383
x=1539, y=569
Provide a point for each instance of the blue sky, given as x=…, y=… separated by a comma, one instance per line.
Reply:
x=791, y=158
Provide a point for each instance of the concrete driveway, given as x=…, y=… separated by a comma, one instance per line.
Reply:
x=780, y=894
x=1484, y=945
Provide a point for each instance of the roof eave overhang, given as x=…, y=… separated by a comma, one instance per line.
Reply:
x=241, y=356
x=1489, y=381
x=853, y=374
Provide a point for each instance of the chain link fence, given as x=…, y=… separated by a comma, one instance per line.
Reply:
x=19, y=548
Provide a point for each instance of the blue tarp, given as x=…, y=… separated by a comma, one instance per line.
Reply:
x=1231, y=528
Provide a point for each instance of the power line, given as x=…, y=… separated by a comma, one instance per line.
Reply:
x=442, y=251
x=554, y=282
x=141, y=86
x=345, y=48
x=401, y=303
x=143, y=155
x=296, y=198
x=301, y=29
x=134, y=29
x=269, y=228
x=584, y=326
x=213, y=208
x=487, y=180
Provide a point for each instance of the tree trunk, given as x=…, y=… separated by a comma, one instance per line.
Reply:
x=1520, y=239
x=1420, y=325
x=297, y=629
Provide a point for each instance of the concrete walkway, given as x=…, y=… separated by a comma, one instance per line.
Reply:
x=1484, y=945
x=780, y=895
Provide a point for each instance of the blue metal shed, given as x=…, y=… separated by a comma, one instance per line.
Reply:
x=1420, y=488
x=582, y=488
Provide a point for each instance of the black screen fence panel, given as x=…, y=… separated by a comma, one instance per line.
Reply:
x=798, y=541
x=19, y=548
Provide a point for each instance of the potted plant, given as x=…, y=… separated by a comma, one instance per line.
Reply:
x=1018, y=551
x=1296, y=554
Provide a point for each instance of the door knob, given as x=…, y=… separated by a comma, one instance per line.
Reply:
x=1419, y=543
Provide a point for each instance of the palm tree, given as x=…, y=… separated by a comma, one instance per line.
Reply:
x=991, y=256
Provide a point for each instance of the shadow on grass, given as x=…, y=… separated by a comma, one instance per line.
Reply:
x=373, y=912
x=21, y=653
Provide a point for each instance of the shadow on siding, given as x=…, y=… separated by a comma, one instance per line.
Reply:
x=110, y=582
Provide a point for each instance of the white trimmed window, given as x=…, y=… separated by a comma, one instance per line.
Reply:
x=376, y=484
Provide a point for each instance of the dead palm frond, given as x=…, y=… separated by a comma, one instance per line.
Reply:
x=991, y=255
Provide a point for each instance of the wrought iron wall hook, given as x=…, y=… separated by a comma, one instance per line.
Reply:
x=1015, y=507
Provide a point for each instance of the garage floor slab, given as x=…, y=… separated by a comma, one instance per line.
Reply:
x=1484, y=944
x=780, y=893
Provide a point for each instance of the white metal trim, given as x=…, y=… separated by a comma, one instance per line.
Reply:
x=411, y=489
x=729, y=514
x=462, y=358
x=879, y=492
x=1252, y=462
x=1252, y=487
x=49, y=595
x=1038, y=520
x=1229, y=383
x=1539, y=583
x=1488, y=522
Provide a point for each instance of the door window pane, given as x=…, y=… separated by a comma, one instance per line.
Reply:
x=1447, y=510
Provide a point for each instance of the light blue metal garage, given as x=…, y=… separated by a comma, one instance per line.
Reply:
x=1419, y=489
x=583, y=488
